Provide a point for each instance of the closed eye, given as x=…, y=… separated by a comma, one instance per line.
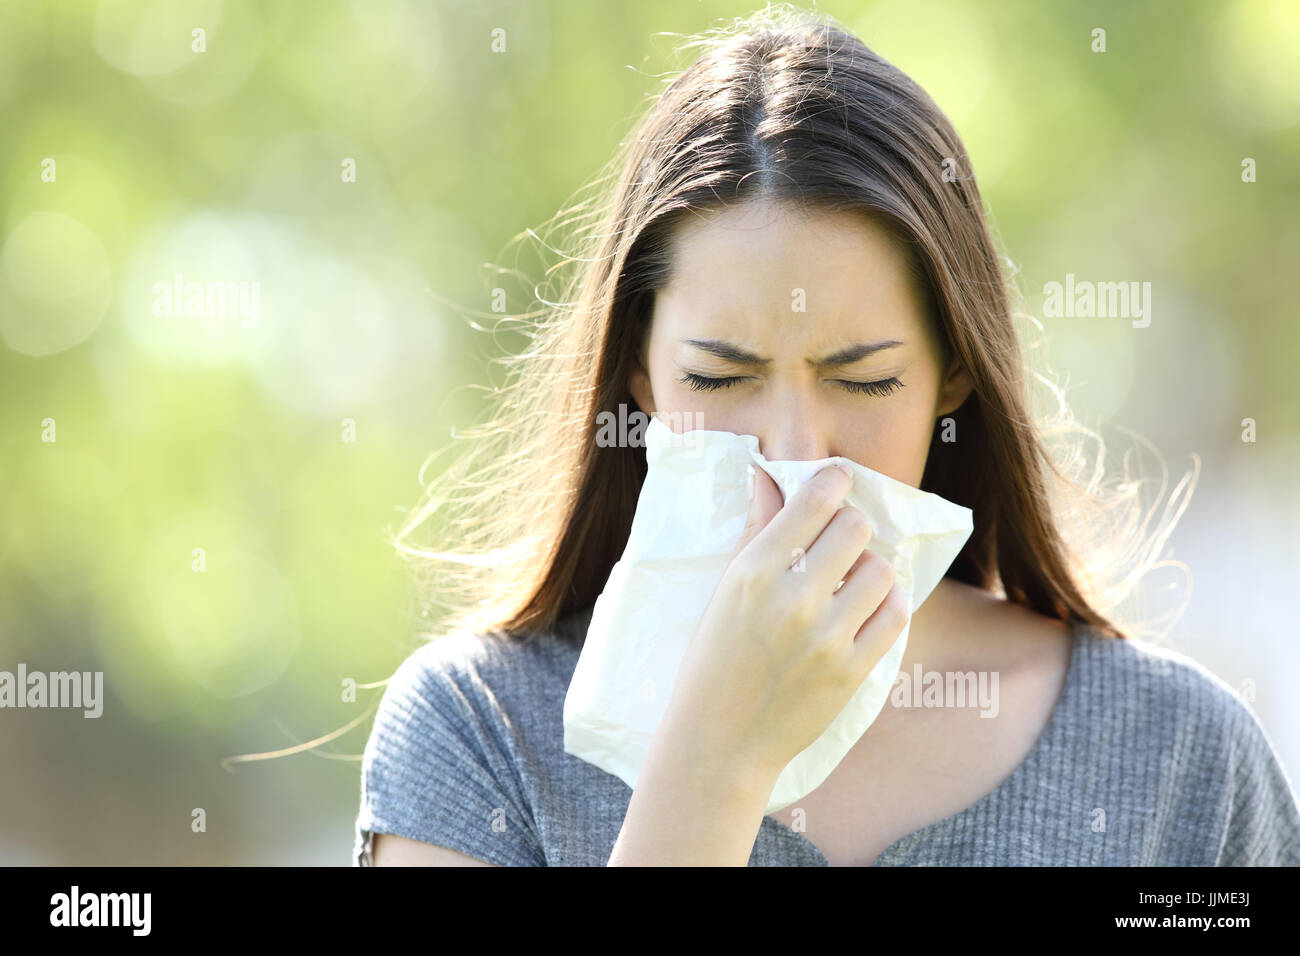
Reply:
x=882, y=387
x=703, y=383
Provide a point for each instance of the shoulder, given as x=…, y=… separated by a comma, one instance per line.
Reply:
x=1159, y=728
x=1176, y=698
x=1195, y=740
x=486, y=672
x=1140, y=683
x=452, y=756
x=1163, y=686
x=494, y=658
x=1158, y=697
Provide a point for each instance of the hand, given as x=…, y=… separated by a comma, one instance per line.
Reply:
x=779, y=651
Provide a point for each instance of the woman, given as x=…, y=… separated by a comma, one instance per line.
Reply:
x=790, y=164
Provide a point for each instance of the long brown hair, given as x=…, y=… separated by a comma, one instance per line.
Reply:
x=784, y=106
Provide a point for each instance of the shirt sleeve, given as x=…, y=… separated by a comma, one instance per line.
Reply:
x=436, y=769
x=1263, y=827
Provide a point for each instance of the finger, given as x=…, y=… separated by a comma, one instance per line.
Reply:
x=838, y=548
x=856, y=564
x=865, y=587
x=804, y=516
x=881, y=630
x=764, y=503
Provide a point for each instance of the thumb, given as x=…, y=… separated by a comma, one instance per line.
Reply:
x=764, y=502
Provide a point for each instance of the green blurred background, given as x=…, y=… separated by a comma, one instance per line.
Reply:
x=175, y=434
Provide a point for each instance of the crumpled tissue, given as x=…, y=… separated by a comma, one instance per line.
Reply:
x=689, y=517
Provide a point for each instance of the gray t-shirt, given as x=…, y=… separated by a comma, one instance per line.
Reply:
x=1147, y=760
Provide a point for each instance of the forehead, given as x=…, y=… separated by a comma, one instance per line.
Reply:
x=766, y=266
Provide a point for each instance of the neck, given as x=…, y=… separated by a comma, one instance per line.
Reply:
x=940, y=621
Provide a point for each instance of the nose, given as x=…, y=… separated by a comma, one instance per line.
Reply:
x=793, y=438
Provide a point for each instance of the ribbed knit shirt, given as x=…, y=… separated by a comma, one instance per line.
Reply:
x=1148, y=759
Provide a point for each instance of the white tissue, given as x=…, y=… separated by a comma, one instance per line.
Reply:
x=689, y=517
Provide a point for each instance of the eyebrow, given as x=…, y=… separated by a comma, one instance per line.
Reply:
x=846, y=356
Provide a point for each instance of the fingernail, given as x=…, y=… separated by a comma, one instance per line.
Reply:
x=844, y=468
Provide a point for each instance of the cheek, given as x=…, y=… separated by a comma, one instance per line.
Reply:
x=890, y=435
x=711, y=410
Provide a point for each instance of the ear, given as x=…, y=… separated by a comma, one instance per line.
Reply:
x=957, y=386
x=638, y=383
